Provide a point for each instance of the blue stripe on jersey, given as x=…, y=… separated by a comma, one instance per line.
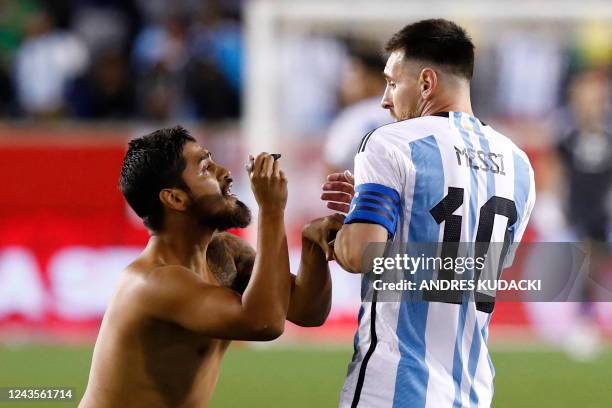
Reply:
x=375, y=203
x=484, y=143
x=364, y=291
x=485, y=336
x=458, y=354
x=412, y=370
x=473, y=363
x=476, y=336
x=485, y=328
x=522, y=182
x=356, y=339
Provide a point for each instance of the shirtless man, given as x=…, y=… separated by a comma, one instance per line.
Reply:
x=194, y=289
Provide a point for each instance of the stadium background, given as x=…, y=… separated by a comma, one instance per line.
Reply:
x=78, y=79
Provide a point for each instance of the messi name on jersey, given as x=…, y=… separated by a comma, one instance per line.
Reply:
x=480, y=160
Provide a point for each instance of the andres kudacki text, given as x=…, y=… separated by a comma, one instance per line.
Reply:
x=460, y=284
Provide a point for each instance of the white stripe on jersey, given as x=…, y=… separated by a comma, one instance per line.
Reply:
x=452, y=347
x=439, y=355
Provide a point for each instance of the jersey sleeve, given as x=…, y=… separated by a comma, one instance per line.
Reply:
x=378, y=184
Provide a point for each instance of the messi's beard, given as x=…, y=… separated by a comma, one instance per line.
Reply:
x=228, y=215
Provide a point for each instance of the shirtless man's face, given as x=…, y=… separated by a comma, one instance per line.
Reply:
x=211, y=200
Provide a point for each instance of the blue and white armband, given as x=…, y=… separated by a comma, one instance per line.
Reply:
x=375, y=204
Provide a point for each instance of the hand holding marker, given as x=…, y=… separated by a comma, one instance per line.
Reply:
x=251, y=162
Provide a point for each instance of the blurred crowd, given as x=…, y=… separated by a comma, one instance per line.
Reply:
x=176, y=60
x=119, y=59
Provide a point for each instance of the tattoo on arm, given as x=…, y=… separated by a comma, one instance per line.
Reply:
x=231, y=259
x=220, y=262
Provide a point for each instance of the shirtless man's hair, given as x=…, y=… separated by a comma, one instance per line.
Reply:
x=194, y=287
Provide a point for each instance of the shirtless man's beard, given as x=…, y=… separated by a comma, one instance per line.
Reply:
x=230, y=213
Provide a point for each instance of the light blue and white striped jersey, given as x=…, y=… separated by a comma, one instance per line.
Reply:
x=433, y=354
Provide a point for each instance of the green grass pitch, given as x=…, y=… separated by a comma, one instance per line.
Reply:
x=312, y=377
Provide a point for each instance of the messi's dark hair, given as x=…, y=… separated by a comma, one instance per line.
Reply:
x=437, y=41
x=152, y=163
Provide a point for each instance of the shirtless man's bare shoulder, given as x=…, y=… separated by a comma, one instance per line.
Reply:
x=149, y=337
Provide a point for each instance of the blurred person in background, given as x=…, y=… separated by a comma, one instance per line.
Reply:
x=45, y=62
x=105, y=25
x=541, y=67
x=585, y=153
x=585, y=156
x=160, y=56
x=105, y=91
x=214, y=77
x=188, y=64
x=360, y=93
x=13, y=19
x=310, y=69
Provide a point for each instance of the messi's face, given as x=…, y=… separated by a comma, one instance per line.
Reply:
x=211, y=200
x=402, y=94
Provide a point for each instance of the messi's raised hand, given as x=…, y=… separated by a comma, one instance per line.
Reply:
x=338, y=191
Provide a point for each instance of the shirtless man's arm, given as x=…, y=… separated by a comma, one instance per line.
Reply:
x=312, y=289
x=175, y=293
x=310, y=299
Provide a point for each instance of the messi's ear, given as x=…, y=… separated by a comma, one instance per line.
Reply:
x=174, y=199
x=428, y=82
